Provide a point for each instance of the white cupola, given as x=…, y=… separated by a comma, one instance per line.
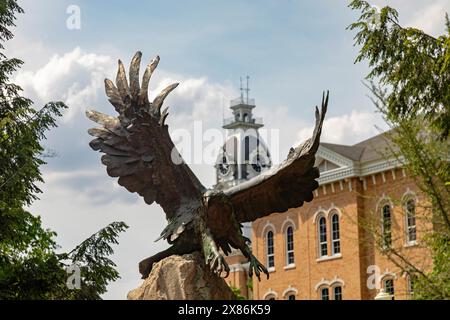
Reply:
x=244, y=154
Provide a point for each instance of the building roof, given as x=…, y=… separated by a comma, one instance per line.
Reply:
x=374, y=148
x=351, y=152
x=365, y=158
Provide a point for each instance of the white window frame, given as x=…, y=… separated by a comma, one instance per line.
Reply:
x=334, y=291
x=319, y=237
x=410, y=284
x=408, y=227
x=384, y=235
x=270, y=295
x=333, y=240
x=321, y=293
x=270, y=255
x=288, y=251
x=385, y=280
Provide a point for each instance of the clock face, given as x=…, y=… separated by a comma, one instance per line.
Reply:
x=257, y=167
x=224, y=166
x=260, y=161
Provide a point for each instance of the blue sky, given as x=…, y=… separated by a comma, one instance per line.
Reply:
x=289, y=48
x=292, y=50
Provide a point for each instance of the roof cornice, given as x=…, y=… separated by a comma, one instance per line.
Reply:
x=350, y=169
x=334, y=157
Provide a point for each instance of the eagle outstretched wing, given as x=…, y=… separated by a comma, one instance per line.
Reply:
x=138, y=149
x=283, y=187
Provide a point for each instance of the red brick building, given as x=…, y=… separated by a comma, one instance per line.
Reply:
x=326, y=249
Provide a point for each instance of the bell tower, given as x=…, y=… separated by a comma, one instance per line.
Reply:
x=242, y=108
x=244, y=154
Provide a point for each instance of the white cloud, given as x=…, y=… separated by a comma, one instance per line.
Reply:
x=347, y=129
x=426, y=15
x=194, y=99
x=75, y=78
x=432, y=18
x=57, y=176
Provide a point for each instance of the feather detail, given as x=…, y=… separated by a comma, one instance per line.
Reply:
x=122, y=84
x=143, y=99
x=159, y=100
x=135, y=89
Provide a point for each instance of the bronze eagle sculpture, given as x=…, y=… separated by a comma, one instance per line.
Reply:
x=139, y=151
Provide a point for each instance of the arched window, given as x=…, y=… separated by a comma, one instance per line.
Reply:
x=335, y=236
x=411, y=280
x=389, y=286
x=386, y=224
x=410, y=220
x=337, y=292
x=324, y=294
x=270, y=250
x=290, y=246
x=323, y=248
x=270, y=295
x=291, y=296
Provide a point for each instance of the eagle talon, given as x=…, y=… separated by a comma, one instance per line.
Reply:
x=257, y=267
x=218, y=265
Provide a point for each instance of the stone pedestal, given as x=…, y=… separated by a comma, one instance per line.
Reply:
x=182, y=278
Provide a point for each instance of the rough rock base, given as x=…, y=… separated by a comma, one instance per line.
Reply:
x=182, y=278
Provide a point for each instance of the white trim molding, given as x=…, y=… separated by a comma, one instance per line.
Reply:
x=319, y=212
x=409, y=194
x=336, y=175
x=270, y=293
x=384, y=199
x=328, y=258
x=388, y=274
x=321, y=283
x=289, y=290
x=332, y=210
x=237, y=267
x=337, y=281
x=290, y=266
x=289, y=224
x=350, y=169
x=329, y=283
x=333, y=157
x=288, y=221
x=268, y=225
x=363, y=179
x=326, y=213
